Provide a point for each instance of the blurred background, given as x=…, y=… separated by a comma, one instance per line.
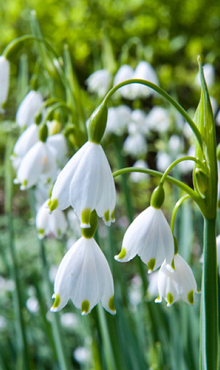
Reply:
x=169, y=35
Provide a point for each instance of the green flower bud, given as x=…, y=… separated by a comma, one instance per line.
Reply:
x=38, y=118
x=43, y=133
x=200, y=181
x=157, y=197
x=89, y=232
x=97, y=124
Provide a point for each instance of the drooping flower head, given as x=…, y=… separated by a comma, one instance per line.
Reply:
x=84, y=276
x=86, y=182
x=178, y=283
x=28, y=108
x=150, y=237
x=47, y=223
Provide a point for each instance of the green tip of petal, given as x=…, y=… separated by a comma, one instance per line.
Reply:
x=107, y=216
x=85, y=217
x=172, y=264
x=56, y=302
x=85, y=307
x=40, y=233
x=24, y=183
x=122, y=254
x=190, y=297
x=169, y=299
x=53, y=204
x=151, y=264
x=111, y=304
x=113, y=215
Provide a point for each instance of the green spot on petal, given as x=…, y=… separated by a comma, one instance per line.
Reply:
x=57, y=301
x=190, y=297
x=169, y=298
x=151, y=264
x=122, y=254
x=106, y=216
x=24, y=183
x=172, y=264
x=85, y=307
x=85, y=217
x=40, y=231
x=111, y=304
x=53, y=205
x=59, y=233
x=49, y=202
x=113, y=215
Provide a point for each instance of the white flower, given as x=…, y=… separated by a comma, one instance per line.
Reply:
x=158, y=119
x=138, y=122
x=144, y=71
x=28, y=108
x=138, y=176
x=149, y=236
x=135, y=145
x=59, y=144
x=99, y=82
x=163, y=161
x=176, y=284
x=84, y=277
x=124, y=73
x=4, y=80
x=48, y=223
x=86, y=183
x=39, y=161
x=118, y=119
x=24, y=143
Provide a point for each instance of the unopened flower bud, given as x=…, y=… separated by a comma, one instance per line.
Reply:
x=97, y=124
x=157, y=197
x=43, y=133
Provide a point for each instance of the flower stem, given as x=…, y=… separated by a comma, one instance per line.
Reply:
x=23, y=358
x=163, y=93
x=209, y=301
x=170, y=179
x=177, y=205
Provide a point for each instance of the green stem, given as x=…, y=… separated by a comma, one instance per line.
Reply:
x=163, y=93
x=177, y=205
x=53, y=108
x=21, y=341
x=170, y=179
x=58, y=337
x=177, y=161
x=209, y=301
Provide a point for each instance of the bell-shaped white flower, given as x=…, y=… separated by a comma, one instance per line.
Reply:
x=59, y=144
x=48, y=223
x=86, y=183
x=135, y=145
x=118, y=119
x=124, y=73
x=99, y=82
x=24, y=143
x=39, y=161
x=138, y=176
x=149, y=236
x=4, y=80
x=144, y=71
x=158, y=119
x=84, y=277
x=28, y=108
x=178, y=283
